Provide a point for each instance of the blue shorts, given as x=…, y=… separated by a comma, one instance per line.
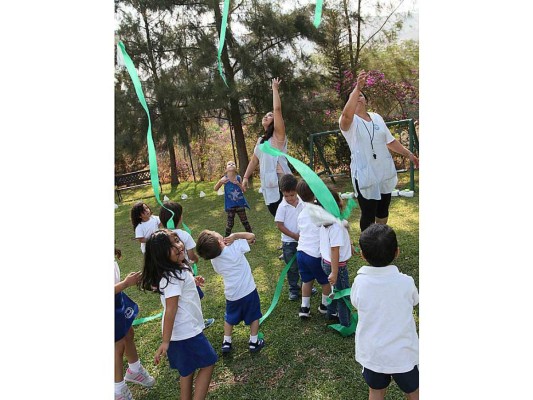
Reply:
x=125, y=312
x=406, y=381
x=190, y=354
x=311, y=268
x=247, y=309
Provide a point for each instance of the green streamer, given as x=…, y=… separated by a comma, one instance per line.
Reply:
x=344, y=330
x=277, y=292
x=139, y=321
x=317, y=186
x=194, y=267
x=318, y=13
x=222, y=38
x=152, y=159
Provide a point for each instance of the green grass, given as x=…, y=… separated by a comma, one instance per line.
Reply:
x=302, y=359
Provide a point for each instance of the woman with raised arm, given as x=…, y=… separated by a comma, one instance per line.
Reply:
x=372, y=168
x=271, y=168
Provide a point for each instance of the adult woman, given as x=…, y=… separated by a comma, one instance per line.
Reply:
x=373, y=171
x=270, y=168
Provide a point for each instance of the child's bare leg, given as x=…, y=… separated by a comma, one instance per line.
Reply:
x=203, y=378
x=306, y=288
x=228, y=329
x=186, y=387
x=374, y=394
x=131, y=350
x=412, y=395
x=326, y=289
x=254, y=327
x=119, y=366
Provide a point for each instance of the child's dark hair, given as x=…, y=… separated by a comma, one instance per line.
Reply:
x=288, y=183
x=268, y=133
x=207, y=245
x=157, y=264
x=164, y=214
x=378, y=244
x=136, y=212
x=304, y=191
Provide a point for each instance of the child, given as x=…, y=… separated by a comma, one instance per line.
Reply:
x=386, y=342
x=234, y=201
x=184, y=237
x=308, y=255
x=242, y=299
x=166, y=272
x=287, y=222
x=144, y=223
x=125, y=312
x=336, y=250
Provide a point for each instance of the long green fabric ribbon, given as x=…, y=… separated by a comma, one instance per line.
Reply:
x=139, y=321
x=152, y=159
x=317, y=186
x=318, y=13
x=277, y=292
x=344, y=330
x=222, y=38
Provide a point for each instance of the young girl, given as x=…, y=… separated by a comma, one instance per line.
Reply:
x=144, y=223
x=336, y=250
x=234, y=201
x=125, y=312
x=166, y=272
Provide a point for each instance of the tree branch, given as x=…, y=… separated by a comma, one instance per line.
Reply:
x=381, y=27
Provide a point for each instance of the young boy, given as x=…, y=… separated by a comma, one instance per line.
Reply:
x=242, y=299
x=308, y=255
x=386, y=342
x=185, y=237
x=287, y=222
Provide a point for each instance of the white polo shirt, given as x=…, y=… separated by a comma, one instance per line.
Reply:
x=309, y=241
x=235, y=270
x=385, y=339
x=187, y=240
x=333, y=236
x=289, y=216
x=145, y=229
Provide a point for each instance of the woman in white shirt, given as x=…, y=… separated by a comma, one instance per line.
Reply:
x=372, y=168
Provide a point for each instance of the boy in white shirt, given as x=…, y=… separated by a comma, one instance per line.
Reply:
x=242, y=299
x=287, y=222
x=386, y=342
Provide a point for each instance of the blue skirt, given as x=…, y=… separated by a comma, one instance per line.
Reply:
x=190, y=354
x=125, y=312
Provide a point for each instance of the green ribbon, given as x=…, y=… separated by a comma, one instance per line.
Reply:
x=317, y=186
x=344, y=330
x=152, y=159
x=222, y=38
x=277, y=292
x=139, y=321
x=318, y=13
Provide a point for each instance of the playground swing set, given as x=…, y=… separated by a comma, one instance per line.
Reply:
x=314, y=142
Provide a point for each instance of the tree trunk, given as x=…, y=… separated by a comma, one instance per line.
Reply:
x=350, y=41
x=174, y=180
x=190, y=160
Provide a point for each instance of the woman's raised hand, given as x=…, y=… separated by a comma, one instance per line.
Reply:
x=361, y=79
x=275, y=83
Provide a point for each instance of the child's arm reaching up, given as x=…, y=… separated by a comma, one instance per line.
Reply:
x=249, y=236
x=170, y=315
x=221, y=182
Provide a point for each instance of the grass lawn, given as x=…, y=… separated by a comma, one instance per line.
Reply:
x=302, y=359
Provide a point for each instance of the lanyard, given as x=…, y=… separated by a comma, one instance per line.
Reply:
x=371, y=137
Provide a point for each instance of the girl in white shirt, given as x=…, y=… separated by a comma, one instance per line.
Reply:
x=144, y=223
x=167, y=273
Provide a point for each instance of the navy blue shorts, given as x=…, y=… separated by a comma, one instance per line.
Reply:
x=406, y=381
x=125, y=312
x=247, y=309
x=190, y=354
x=311, y=268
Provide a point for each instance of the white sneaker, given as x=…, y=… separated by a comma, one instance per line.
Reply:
x=125, y=394
x=142, y=377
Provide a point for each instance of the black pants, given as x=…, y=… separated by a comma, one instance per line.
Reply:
x=372, y=209
x=241, y=212
x=273, y=207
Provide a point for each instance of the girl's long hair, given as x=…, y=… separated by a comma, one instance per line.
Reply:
x=268, y=133
x=135, y=214
x=157, y=264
